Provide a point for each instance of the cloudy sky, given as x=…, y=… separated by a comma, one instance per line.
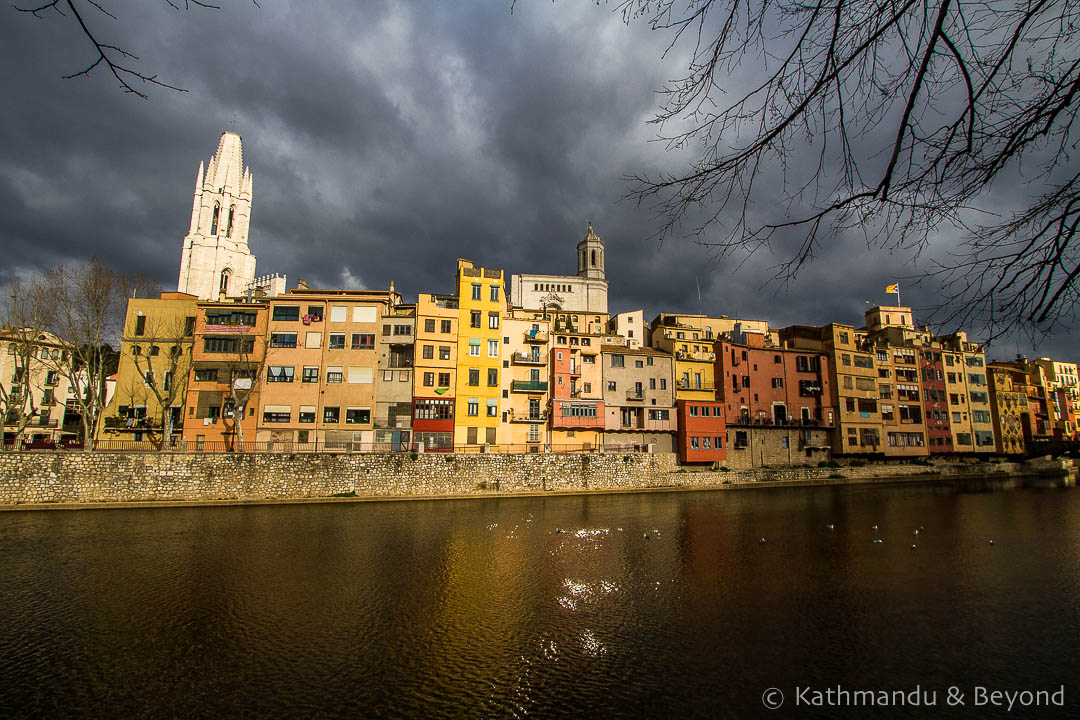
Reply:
x=386, y=140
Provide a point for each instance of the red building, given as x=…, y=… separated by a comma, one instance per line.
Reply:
x=935, y=401
x=433, y=423
x=702, y=429
x=769, y=385
x=576, y=399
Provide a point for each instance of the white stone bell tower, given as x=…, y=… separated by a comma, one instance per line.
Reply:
x=216, y=262
x=590, y=256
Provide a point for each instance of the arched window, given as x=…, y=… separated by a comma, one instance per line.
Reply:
x=214, y=219
x=224, y=287
x=228, y=227
x=594, y=258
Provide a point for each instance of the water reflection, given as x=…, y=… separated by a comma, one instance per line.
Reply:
x=621, y=605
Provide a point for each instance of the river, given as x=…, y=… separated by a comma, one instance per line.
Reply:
x=626, y=605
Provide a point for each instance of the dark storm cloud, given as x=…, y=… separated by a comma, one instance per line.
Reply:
x=386, y=140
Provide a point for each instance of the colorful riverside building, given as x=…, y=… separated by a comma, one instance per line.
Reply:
x=227, y=358
x=935, y=399
x=970, y=419
x=394, y=377
x=147, y=404
x=318, y=380
x=435, y=377
x=777, y=402
x=639, y=398
x=1063, y=399
x=526, y=381
x=481, y=306
x=577, y=396
x=1009, y=408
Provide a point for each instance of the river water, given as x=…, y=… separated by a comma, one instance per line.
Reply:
x=544, y=607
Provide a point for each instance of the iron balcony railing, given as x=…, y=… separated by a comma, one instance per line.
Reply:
x=529, y=386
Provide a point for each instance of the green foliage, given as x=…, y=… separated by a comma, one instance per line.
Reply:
x=351, y=493
x=828, y=464
x=836, y=476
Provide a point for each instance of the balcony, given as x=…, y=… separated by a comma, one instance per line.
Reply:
x=529, y=386
x=540, y=336
x=526, y=359
x=691, y=355
x=526, y=418
x=635, y=395
x=686, y=385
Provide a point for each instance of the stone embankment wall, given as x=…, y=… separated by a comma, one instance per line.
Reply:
x=105, y=477
x=75, y=477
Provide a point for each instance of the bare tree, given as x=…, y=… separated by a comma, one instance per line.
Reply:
x=22, y=332
x=245, y=372
x=164, y=364
x=897, y=118
x=86, y=308
x=113, y=58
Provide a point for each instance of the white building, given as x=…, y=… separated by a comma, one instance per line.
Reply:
x=586, y=292
x=216, y=262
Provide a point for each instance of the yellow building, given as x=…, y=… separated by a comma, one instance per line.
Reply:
x=971, y=421
x=478, y=394
x=152, y=378
x=1009, y=409
x=1063, y=399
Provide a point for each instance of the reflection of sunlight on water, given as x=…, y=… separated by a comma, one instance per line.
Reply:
x=592, y=533
x=591, y=645
x=549, y=649
x=492, y=526
x=584, y=592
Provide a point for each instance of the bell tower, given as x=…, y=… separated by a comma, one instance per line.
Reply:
x=215, y=262
x=590, y=256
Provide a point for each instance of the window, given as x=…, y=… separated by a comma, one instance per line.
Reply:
x=493, y=377
x=313, y=340
x=336, y=341
x=887, y=414
x=140, y=324
x=864, y=361
x=474, y=376
x=434, y=409
x=311, y=374
x=639, y=363
x=492, y=408
x=474, y=347
x=429, y=379
x=363, y=314
x=307, y=414
x=476, y=291
x=493, y=348
x=357, y=416
x=315, y=313
x=588, y=359
x=363, y=341
x=845, y=360
x=474, y=404
x=693, y=410
x=444, y=379
x=611, y=385
x=403, y=330
x=445, y=326
x=444, y=352
x=494, y=294
x=980, y=416
x=339, y=314
x=282, y=340
x=279, y=373
x=847, y=382
x=843, y=337
x=778, y=382
x=474, y=318
x=695, y=443
x=206, y=375
x=429, y=325
x=652, y=383
x=286, y=312
x=334, y=375
x=978, y=397
x=189, y=326
x=663, y=383
x=361, y=374
x=493, y=321
x=617, y=361
x=331, y=414
x=578, y=410
x=277, y=413
x=658, y=414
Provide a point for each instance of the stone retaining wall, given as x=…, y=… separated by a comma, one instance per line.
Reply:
x=104, y=477
x=75, y=477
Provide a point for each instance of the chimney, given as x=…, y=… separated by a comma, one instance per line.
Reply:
x=301, y=284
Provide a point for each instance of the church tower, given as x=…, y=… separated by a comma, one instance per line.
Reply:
x=216, y=262
x=590, y=256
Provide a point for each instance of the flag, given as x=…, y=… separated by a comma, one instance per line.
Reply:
x=894, y=288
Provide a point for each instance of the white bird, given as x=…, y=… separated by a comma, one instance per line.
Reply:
x=831, y=526
x=915, y=533
x=874, y=528
x=914, y=547
x=877, y=541
x=762, y=541
x=991, y=542
x=647, y=536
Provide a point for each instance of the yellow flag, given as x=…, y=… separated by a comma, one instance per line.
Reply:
x=894, y=288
